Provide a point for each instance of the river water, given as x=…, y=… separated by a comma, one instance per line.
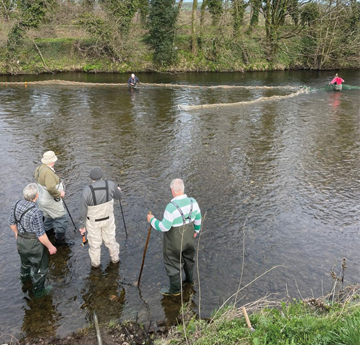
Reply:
x=277, y=182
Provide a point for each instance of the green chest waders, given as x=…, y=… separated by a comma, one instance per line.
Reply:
x=179, y=252
x=33, y=256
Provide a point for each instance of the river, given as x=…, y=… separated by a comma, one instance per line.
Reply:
x=277, y=182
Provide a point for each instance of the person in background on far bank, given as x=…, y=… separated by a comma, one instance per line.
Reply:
x=51, y=192
x=337, y=80
x=133, y=80
x=97, y=216
x=181, y=223
x=26, y=221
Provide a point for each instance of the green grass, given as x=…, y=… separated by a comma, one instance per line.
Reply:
x=312, y=322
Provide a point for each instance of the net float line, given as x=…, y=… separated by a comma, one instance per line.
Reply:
x=258, y=100
x=57, y=82
x=142, y=85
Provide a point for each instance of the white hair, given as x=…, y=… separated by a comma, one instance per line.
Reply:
x=30, y=191
x=177, y=185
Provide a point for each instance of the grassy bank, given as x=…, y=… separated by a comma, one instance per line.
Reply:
x=66, y=54
x=312, y=321
x=44, y=55
x=64, y=43
x=330, y=320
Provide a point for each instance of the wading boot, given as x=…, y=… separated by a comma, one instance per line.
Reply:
x=60, y=240
x=174, y=289
x=42, y=292
x=189, y=279
x=26, y=286
x=24, y=277
x=50, y=233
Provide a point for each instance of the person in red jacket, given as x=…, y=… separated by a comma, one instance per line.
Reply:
x=337, y=80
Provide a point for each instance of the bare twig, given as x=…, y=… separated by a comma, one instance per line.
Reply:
x=42, y=58
x=197, y=263
x=12, y=338
x=243, y=259
x=181, y=285
x=235, y=294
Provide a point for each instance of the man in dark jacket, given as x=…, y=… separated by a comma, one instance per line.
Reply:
x=133, y=80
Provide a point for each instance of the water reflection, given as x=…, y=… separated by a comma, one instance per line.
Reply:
x=103, y=294
x=40, y=317
x=60, y=266
x=172, y=305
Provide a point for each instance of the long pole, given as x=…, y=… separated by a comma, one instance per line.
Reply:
x=143, y=260
x=122, y=213
x=123, y=218
x=97, y=328
x=69, y=215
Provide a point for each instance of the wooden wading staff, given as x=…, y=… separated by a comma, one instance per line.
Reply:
x=143, y=260
x=247, y=320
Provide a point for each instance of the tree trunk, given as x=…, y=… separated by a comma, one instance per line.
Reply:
x=179, y=7
x=202, y=19
x=193, y=31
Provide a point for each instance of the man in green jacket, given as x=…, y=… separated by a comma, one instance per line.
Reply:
x=51, y=192
x=181, y=223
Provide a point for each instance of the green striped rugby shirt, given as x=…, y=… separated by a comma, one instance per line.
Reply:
x=172, y=216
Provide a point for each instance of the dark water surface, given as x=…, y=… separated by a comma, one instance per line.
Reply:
x=277, y=182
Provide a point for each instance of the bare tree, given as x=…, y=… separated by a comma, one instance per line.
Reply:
x=193, y=26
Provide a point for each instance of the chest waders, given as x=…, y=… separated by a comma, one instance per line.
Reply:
x=51, y=208
x=100, y=224
x=33, y=256
x=179, y=252
x=100, y=212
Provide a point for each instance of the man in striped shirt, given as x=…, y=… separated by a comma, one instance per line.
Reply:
x=181, y=223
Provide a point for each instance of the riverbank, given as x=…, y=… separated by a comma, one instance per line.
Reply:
x=334, y=319
x=129, y=333
x=58, y=55
x=74, y=38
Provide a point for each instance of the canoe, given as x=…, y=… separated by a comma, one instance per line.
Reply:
x=337, y=87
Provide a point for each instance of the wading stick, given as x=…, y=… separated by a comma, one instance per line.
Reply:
x=123, y=218
x=122, y=213
x=97, y=328
x=69, y=215
x=247, y=320
x=143, y=260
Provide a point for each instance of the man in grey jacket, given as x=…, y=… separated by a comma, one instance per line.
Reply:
x=97, y=216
